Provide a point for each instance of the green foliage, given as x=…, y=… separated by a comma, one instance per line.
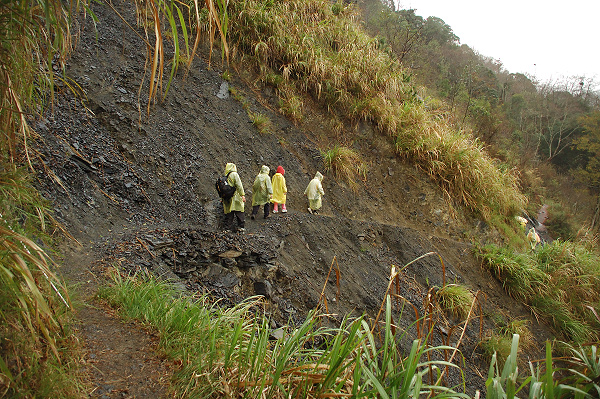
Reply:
x=496, y=348
x=589, y=143
x=229, y=351
x=37, y=352
x=584, y=369
x=579, y=380
x=510, y=230
x=559, y=221
x=519, y=327
x=560, y=281
x=503, y=385
x=290, y=105
x=273, y=79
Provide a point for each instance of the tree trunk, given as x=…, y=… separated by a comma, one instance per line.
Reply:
x=594, y=224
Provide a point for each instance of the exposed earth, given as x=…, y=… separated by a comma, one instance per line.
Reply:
x=137, y=191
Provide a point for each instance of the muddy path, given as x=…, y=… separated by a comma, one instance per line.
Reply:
x=137, y=191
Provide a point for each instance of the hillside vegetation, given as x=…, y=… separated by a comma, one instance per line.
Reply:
x=318, y=48
x=548, y=130
x=307, y=51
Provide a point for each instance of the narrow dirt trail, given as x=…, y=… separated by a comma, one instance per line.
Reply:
x=121, y=358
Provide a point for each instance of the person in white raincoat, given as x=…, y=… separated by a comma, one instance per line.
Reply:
x=533, y=238
x=314, y=192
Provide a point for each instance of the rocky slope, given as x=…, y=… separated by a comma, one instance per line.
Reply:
x=137, y=190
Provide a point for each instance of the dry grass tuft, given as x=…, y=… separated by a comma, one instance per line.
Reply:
x=346, y=164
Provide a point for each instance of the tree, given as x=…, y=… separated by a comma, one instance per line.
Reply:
x=436, y=29
x=589, y=143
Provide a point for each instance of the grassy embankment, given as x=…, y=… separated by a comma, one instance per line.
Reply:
x=559, y=282
x=230, y=352
x=38, y=353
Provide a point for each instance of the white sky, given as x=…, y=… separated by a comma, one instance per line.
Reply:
x=547, y=39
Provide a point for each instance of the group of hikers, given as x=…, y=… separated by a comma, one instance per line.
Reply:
x=265, y=190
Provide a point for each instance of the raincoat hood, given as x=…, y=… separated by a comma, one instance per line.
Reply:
x=318, y=175
x=230, y=167
x=280, y=170
x=265, y=170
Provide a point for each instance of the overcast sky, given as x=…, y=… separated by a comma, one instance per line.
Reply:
x=547, y=39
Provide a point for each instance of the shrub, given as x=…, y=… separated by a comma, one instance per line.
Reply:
x=558, y=222
x=261, y=122
x=456, y=299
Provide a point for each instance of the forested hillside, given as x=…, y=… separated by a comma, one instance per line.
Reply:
x=547, y=129
x=423, y=273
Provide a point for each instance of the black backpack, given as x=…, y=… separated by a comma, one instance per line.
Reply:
x=223, y=188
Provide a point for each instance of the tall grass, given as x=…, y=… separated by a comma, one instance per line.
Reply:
x=230, y=352
x=560, y=281
x=37, y=350
x=320, y=49
x=578, y=380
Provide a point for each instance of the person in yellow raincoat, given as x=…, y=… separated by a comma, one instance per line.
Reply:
x=261, y=192
x=279, y=190
x=314, y=192
x=522, y=221
x=234, y=207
